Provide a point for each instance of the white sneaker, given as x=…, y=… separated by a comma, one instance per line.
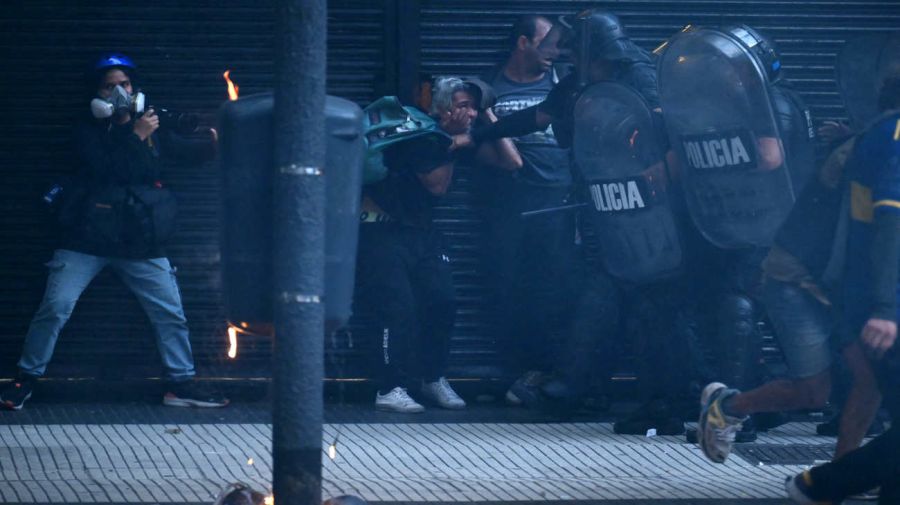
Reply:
x=716, y=430
x=442, y=394
x=397, y=400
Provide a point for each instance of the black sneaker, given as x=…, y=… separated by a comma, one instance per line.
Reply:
x=526, y=390
x=14, y=395
x=191, y=394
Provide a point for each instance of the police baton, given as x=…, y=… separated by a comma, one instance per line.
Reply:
x=532, y=213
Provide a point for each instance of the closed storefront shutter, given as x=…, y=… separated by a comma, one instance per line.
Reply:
x=182, y=49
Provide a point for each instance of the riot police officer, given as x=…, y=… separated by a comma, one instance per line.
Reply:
x=607, y=113
x=744, y=140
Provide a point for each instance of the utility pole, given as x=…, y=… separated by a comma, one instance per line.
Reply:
x=299, y=251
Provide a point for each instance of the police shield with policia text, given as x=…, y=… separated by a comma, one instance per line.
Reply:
x=619, y=157
x=715, y=97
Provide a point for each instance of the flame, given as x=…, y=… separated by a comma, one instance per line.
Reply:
x=232, y=88
x=270, y=500
x=332, y=451
x=232, y=342
x=250, y=461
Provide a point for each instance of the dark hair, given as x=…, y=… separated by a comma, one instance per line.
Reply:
x=93, y=78
x=889, y=95
x=525, y=25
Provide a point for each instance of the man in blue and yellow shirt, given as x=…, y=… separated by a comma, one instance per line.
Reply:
x=870, y=311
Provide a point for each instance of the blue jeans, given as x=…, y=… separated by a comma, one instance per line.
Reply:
x=151, y=280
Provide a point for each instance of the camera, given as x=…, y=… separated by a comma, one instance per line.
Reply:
x=182, y=123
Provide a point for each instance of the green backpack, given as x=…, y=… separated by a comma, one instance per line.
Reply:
x=388, y=123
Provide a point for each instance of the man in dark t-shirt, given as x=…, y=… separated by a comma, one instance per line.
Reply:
x=529, y=257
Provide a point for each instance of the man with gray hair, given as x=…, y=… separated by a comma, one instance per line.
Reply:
x=403, y=267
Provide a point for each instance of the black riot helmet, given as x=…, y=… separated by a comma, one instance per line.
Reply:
x=594, y=34
x=761, y=47
x=597, y=33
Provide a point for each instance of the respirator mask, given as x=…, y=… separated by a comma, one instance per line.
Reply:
x=118, y=103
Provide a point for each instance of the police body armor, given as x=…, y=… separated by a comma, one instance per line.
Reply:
x=862, y=65
x=620, y=159
x=718, y=113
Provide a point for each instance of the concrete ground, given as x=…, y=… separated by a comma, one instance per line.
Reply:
x=146, y=453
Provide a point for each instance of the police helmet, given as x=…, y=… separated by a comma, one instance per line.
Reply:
x=602, y=27
x=761, y=47
x=606, y=37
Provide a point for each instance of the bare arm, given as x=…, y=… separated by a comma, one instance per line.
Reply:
x=770, y=156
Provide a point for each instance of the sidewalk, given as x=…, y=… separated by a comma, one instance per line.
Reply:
x=142, y=453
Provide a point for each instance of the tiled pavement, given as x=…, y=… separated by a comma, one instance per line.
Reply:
x=127, y=453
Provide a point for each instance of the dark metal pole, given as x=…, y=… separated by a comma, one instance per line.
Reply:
x=299, y=251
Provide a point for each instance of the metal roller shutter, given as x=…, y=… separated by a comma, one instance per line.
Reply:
x=466, y=37
x=182, y=49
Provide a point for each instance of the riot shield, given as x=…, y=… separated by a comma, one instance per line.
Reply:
x=719, y=117
x=862, y=65
x=619, y=157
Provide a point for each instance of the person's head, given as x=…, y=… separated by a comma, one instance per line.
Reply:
x=889, y=94
x=526, y=35
x=450, y=95
x=110, y=84
x=109, y=71
x=345, y=500
x=607, y=46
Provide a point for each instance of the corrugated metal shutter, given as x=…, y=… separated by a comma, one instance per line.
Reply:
x=185, y=46
x=182, y=49
x=465, y=37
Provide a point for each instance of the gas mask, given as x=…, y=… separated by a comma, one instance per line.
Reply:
x=119, y=102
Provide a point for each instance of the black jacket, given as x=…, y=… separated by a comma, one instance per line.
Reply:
x=110, y=160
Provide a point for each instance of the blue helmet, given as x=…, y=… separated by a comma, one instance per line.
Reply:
x=114, y=60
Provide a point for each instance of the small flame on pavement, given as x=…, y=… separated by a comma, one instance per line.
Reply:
x=250, y=461
x=232, y=87
x=270, y=500
x=232, y=342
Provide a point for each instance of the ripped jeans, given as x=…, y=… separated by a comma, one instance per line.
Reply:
x=151, y=280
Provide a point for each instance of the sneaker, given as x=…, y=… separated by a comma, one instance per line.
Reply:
x=743, y=436
x=442, y=394
x=799, y=489
x=191, y=394
x=526, y=389
x=715, y=429
x=397, y=400
x=14, y=395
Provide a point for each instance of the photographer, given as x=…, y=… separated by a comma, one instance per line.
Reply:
x=116, y=213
